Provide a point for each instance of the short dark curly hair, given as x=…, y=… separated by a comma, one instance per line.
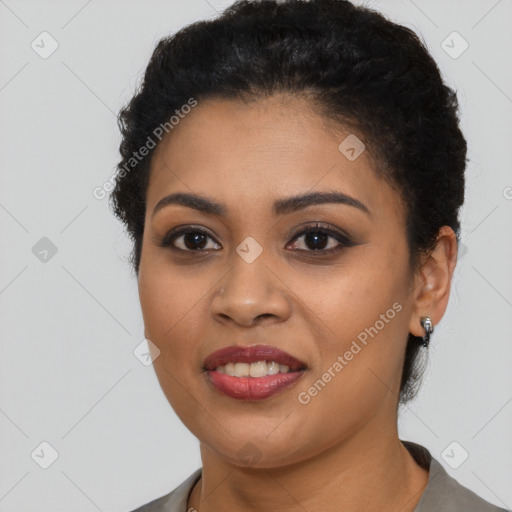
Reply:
x=357, y=67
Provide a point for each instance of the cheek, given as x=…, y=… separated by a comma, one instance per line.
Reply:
x=355, y=298
x=171, y=306
x=165, y=292
x=171, y=303
x=357, y=375
x=363, y=310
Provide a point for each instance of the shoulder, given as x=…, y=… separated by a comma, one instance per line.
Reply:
x=443, y=492
x=449, y=495
x=176, y=500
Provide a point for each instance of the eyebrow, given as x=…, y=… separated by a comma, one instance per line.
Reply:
x=280, y=207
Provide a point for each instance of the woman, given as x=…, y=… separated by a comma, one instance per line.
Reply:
x=291, y=178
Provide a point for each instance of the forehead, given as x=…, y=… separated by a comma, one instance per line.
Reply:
x=276, y=131
x=243, y=152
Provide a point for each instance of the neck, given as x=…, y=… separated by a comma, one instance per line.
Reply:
x=371, y=470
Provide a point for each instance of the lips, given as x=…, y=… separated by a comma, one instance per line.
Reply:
x=252, y=354
x=247, y=387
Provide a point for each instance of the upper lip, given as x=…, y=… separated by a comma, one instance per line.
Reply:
x=251, y=354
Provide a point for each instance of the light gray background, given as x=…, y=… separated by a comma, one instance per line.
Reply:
x=69, y=325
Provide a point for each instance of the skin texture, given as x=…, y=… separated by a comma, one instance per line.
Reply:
x=345, y=439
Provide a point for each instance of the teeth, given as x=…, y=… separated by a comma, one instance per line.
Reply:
x=272, y=368
x=242, y=369
x=258, y=369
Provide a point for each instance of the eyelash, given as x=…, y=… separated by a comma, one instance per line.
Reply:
x=343, y=240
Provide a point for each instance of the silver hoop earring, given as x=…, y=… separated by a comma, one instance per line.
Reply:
x=427, y=324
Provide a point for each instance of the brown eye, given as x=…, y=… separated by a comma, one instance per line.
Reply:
x=321, y=240
x=317, y=241
x=189, y=239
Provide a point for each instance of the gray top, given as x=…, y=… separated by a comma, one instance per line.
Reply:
x=442, y=493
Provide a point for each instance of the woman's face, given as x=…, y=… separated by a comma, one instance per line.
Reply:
x=248, y=275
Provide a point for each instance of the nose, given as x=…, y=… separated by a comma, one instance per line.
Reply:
x=251, y=293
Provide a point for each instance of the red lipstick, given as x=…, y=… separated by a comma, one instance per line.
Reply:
x=247, y=387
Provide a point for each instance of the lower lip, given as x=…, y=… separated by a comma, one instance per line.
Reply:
x=252, y=388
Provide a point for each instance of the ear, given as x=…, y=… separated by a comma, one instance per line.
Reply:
x=433, y=281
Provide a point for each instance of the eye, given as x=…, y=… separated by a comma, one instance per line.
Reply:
x=189, y=239
x=321, y=240
x=316, y=239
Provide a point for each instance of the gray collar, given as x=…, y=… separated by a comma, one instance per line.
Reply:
x=444, y=493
